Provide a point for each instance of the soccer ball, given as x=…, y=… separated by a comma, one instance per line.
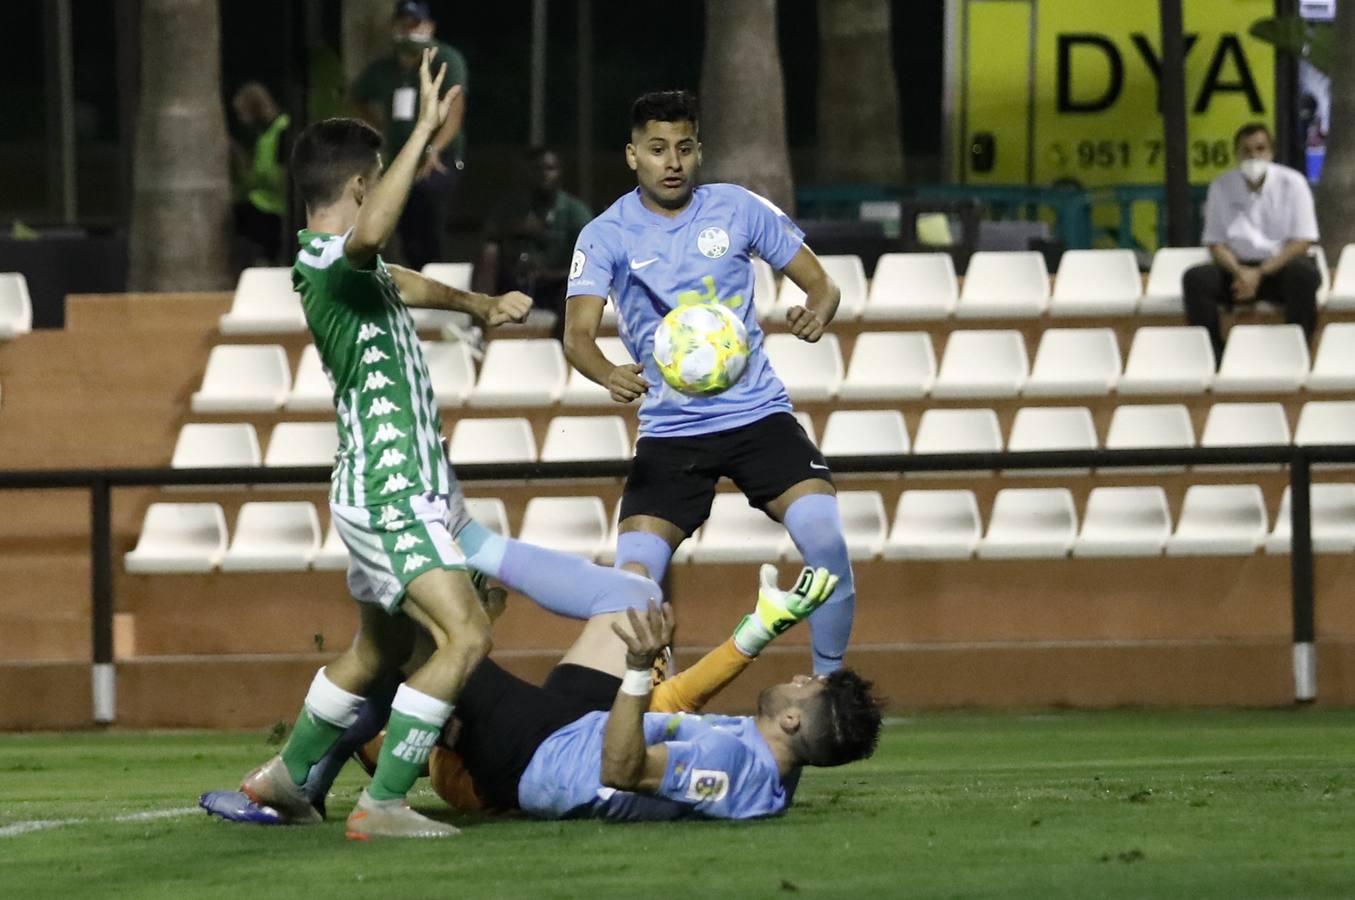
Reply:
x=701, y=349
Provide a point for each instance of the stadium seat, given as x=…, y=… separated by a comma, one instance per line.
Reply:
x=576, y=525
x=523, y=372
x=863, y=526
x=1124, y=521
x=211, y=446
x=16, y=307
x=451, y=369
x=1155, y=426
x=912, y=286
x=1342, y=294
x=934, y=525
x=264, y=303
x=302, y=444
x=890, y=365
x=1162, y=296
x=1332, y=518
x=810, y=372
x=1051, y=428
x=864, y=432
x=1075, y=362
x=958, y=431
x=311, y=390
x=1220, y=520
x=332, y=555
x=1326, y=422
x=1263, y=359
x=1030, y=523
x=492, y=440
x=807, y=423
x=243, y=378
x=579, y=391
x=764, y=289
x=491, y=513
x=1334, y=365
x=1324, y=288
x=179, y=537
x=1245, y=424
x=849, y=275
x=982, y=364
x=586, y=438
x=1007, y=285
x=457, y=275
x=736, y=532
x=1096, y=283
x=607, y=554
x=1168, y=360
x=273, y=537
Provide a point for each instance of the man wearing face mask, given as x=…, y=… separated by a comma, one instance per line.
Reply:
x=386, y=95
x=1259, y=223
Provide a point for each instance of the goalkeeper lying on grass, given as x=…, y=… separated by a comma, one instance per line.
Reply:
x=599, y=740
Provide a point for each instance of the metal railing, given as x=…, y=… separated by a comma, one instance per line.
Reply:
x=1298, y=460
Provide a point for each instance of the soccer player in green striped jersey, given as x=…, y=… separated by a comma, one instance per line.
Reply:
x=392, y=492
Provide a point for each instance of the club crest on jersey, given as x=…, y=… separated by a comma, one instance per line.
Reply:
x=713, y=242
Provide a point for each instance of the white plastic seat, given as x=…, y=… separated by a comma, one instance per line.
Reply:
x=210, y=446
x=1331, y=514
x=1245, y=424
x=912, y=286
x=864, y=432
x=736, y=532
x=1334, y=365
x=764, y=288
x=1052, y=428
x=1220, y=520
x=810, y=372
x=890, y=365
x=934, y=525
x=451, y=369
x=982, y=364
x=1162, y=296
x=16, y=306
x=179, y=537
x=522, y=372
x=273, y=537
x=1075, y=362
x=1168, y=360
x=242, y=378
x=311, y=390
x=264, y=303
x=807, y=423
x=863, y=526
x=847, y=273
x=1030, y=523
x=1319, y=257
x=579, y=391
x=607, y=553
x=1263, y=359
x=1342, y=293
x=576, y=525
x=332, y=555
x=491, y=513
x=1124, y=521
x=1096, y=283
x=457, y=275
x=492, y=440
x=958, y=431
x=302, y=444
x=1155, y=426
x=1326, y=422
x=586, y=438
x=1005, y=285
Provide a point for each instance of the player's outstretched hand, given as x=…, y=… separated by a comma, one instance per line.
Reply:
x=648, y=636
x=434, y=106
x=510, y=307
x=778, y=610
x=627, y=383
x=805, y=324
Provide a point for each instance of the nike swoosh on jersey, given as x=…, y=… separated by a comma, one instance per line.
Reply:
x=817, y=466
x=636, y=265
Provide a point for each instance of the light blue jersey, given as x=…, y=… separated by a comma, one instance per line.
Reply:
x=719, y=767
x=649, y=264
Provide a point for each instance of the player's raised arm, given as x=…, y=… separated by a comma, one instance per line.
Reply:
x=627, y=763
x=808, y=322
x=381, y=208
x=422, y=291
x=583, y=315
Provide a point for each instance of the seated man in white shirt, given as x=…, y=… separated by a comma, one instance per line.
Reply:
x=1258, y=224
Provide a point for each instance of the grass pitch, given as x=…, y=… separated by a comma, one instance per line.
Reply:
x=1124, y=804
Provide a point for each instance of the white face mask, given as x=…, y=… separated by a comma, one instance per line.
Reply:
x=1254, y=170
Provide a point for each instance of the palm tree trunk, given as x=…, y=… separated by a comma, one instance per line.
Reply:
x=743, y=100
x=1338, y=171
x=180, y=222
x=859, y=136
x=366, y=27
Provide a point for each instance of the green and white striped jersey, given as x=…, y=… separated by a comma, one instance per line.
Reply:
x=389, y=430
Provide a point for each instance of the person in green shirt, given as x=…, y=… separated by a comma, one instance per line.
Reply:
x=386, y=95
x=530, y=235
x=259, y=176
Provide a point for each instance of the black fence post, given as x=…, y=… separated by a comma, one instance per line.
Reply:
x=1301, y=575
x=103, y=678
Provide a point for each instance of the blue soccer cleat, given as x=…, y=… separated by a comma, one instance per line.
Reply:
x=235, y=806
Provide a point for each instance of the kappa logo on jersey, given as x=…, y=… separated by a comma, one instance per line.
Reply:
x=709, y=785
x=376, y=381
x=368, y=332
x=713, y=242
x=407, y=542
x=414, y=560
x=386, y=432
x=396, y=482
x=373, y=355
x=391, y=457
x=416, y=746
x=381, y=406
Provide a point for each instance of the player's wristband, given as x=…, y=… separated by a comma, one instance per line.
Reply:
x=638, y=682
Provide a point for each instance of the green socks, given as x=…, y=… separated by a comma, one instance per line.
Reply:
x=416, y=722
x=328, y=712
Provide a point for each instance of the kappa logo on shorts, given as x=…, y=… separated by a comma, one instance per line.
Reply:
x=396, y=482
x=386, y=432
x=390, y=457
x=414, y=561
x=710, y=785
x=381, y=406
x=373, y=355
x=388, y=515
x=369, y=332
x=376, y=381
x=407, y=542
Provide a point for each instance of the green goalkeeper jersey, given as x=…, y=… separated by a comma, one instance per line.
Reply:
x=389, y=431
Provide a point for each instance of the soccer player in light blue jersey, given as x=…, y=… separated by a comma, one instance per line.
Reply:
x=671, y=242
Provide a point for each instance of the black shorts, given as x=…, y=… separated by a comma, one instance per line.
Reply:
x=505, y=719
x=674, y=478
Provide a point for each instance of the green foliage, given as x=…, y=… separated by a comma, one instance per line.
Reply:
x=1313, y=41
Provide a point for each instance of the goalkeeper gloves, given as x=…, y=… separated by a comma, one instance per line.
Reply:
x=778, y=610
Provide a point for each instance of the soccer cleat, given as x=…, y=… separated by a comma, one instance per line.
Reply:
x=392, y=818
x=270, y=785
x=235, y=806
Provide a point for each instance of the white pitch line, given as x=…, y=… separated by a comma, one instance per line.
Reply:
x=15, y=829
